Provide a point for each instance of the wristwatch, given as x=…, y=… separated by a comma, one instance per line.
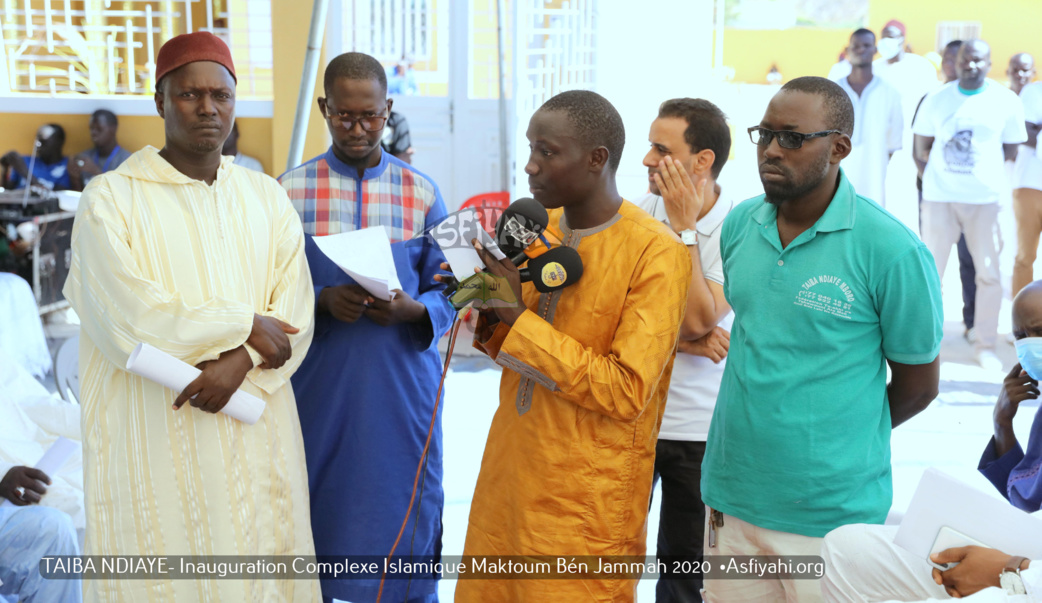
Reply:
x=689, y=237
x=1010, y=579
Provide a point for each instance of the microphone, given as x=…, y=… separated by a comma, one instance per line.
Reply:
x=556, y=269
x=519, y=226
x=29, y=178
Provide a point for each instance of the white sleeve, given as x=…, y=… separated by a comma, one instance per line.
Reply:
x=1015, y=132
x=896, y=127
x=1032, y=578
x=5, y=467
x=712, y=261
x=1031, y=98
x=924, y=125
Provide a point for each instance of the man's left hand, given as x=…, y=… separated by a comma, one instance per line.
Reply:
x=683, y=200
x=505, y=270
x=401, y=309
x=979, y=567
x=220, y=378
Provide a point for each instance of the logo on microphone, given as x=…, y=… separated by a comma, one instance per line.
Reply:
x=554, y=274
x=484, y=291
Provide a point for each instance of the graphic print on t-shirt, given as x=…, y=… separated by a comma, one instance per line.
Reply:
x=959, y=154
x=826, y=293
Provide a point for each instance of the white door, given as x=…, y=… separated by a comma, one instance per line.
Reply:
x=453, y=121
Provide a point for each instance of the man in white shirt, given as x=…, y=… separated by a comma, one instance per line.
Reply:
x=39, y=513
x=877, y=119
x=690, y=142
x=864, y=564
x=1021, y=71
x=1027, y=182
x=963, y=133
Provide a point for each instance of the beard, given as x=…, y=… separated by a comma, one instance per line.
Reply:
x=798, y=185
x=205, y=146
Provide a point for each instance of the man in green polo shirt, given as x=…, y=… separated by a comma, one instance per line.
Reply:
x=827, y=289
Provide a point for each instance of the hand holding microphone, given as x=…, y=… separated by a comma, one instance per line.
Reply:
x=498, y=287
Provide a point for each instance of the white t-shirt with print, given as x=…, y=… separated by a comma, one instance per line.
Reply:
x=966, y=161
x=696, y=380
x=1027, y=173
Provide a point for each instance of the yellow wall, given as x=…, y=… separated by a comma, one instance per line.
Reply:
x=291, y=22
x=135, y=132
x=797, y=52
x=807, y=51
x=264, y=138
x=1010, y=26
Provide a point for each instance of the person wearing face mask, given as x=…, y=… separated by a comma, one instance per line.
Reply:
x=911, y=74
x=863, y=563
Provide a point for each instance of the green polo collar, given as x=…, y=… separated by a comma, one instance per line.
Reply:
x=839, y=215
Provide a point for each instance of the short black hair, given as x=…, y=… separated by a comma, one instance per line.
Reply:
x=105, y=114
x=596, y=121
x=59, y=132
x=355, y=66
x=863, y=31
x=953, y=45
x=706, y=127
x=839, y=111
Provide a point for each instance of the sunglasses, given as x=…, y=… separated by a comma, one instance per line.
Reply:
x=787, y=139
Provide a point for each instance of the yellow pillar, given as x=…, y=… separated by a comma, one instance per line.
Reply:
x=290, y=26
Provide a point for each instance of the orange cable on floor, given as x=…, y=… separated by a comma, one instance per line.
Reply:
x=419, y=468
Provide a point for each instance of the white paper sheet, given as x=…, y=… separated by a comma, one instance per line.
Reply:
x=158, y=366
x=459, y=253
x=942, y=500
x=53, y=459
x=365, y=255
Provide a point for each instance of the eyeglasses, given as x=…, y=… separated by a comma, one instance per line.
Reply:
x=787, y=139
x=370, y=123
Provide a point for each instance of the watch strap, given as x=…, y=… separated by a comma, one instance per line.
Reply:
x=1014, y=563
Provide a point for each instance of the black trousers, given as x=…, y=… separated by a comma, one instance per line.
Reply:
x=682, y=522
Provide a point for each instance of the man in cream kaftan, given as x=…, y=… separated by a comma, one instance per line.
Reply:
x=166, y=260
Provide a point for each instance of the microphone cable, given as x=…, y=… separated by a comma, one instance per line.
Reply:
x=454, y=331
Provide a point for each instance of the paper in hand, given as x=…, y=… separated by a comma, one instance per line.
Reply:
x=454, y=236
x=158, y=366
x=365, y=255
x=53, y=459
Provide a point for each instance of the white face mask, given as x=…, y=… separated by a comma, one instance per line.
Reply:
x=890, y=47
x=1029, y=353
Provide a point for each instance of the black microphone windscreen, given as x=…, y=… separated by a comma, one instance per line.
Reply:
x=556, y=269
x=519, y=225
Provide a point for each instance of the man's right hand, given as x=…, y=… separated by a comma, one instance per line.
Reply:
x=343, y=302
x=1016, y=387
x=31, y=480
x=269, y=338
x=714, y=345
